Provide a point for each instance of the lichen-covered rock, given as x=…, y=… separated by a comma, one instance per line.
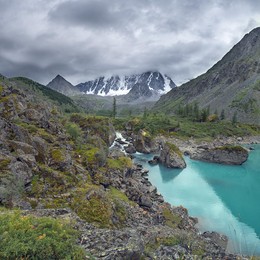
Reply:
x=234, y=155
x=42, y=149
x=171, y=157
x=143, y=142
x=116, y=152
x=22, y=147
x=60, y=160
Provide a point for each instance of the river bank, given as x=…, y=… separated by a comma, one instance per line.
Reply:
x=216, y=194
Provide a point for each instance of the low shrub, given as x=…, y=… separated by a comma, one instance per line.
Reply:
x=28, y=237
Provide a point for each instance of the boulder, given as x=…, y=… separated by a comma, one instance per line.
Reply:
x=116, y=152
x=145, y=202
x=144, y=143
x=155, y=160
x=42, y=148
x=60, y=160
x=171, y=157
x=32, y=114
x=22, y=147
x=233, y=155
x=130, y=149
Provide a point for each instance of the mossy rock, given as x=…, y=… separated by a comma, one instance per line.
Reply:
x=102, y=208
x=174, y=148
x=93, y=205
x=4, y=162
x=58, y=155
x=120, y=163
x=172, y=220
x=45, y=135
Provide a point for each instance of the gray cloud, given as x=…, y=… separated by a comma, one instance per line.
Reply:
x=87, y=13
x=83, y=39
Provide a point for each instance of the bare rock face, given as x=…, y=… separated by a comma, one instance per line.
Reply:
x=130, y=149
x=233, y=155
x=144, y=143
x=171, y=157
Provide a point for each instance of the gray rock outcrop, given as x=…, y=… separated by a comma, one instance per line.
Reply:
x=233, y=155
x=171, y=157
x=143, y=142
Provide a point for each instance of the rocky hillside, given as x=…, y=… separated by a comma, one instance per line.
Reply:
x=232, y=84
x=62, y=167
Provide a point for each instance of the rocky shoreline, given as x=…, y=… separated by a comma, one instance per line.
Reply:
x=148, y=233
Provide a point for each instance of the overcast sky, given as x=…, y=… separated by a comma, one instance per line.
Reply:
x=84, y=39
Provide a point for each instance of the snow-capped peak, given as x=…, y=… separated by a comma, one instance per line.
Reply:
x=115, y=85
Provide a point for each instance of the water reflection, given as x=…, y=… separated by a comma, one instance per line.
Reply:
x=224, y=198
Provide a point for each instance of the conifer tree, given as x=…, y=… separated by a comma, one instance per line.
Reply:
x=114, y=108
x=222, y=115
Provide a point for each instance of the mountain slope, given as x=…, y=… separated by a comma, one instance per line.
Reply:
x=42, y=92
x=63, y=86
x=232, y=84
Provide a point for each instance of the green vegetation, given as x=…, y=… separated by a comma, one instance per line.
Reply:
x=156, y=123
x=166, y=241
x=28, y=237
x=120, y=163
x=174, y=149
x=74, y=131
x=242, y=101
x=171, y=220
x=92, y=205
x=98, y=207
x=65, y=103
x=58, y=155
x=182, y=238
x=93, y=125
x=114, y=108
x=4, y=162
x=231, y=148
x=256, y=86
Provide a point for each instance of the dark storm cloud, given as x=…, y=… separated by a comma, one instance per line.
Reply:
x=87, y=13
x=82, y=39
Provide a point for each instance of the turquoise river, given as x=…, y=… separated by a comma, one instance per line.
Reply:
x=224, y=198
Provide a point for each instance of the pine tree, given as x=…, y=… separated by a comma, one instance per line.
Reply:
x=234, y=118
x=222, y=115
x=196, y=111
x=145, y=113
x=114, y=108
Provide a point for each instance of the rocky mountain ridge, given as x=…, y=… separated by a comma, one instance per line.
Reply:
x=232, y=84
x=61, y=85
x=149, y=84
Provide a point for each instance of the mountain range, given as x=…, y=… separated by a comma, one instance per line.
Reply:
x=149, y=85
x=232, y=85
